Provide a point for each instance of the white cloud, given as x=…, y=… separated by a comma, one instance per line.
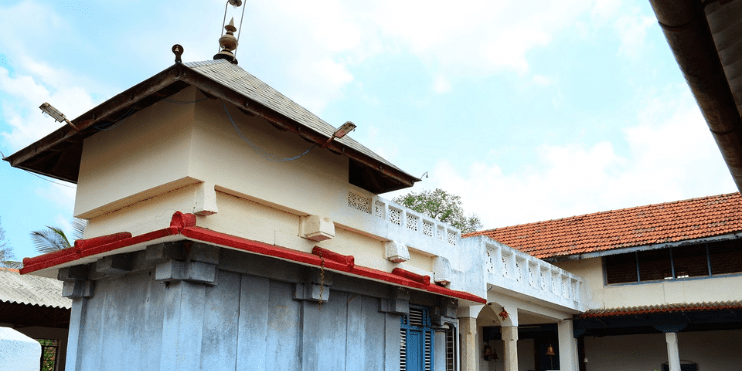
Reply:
x=671, y=155
x=542, y=80
x=22, y=95
x=632, y=30
x=441, y=84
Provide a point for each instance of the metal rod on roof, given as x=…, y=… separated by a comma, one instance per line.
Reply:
x=242, y=18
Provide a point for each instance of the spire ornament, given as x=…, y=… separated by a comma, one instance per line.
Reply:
x=228, y=43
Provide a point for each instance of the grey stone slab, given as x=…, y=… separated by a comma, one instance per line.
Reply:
x=310, y=331
x=182, y=326
x=221, y=315
x=201, y=272
x=201, y=252
x=170, y=270
x=77, y=272
x=253, y=323
x=78, y=289
x=114, y=264
x=283, y=343
x=392, y=339
x=332, y=333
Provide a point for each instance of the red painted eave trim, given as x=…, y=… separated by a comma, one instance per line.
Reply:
x=185, y=225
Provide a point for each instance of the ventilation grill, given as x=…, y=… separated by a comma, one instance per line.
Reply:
x=428, y=350
x=416, y=317
x=450, y=350
x=403, y=348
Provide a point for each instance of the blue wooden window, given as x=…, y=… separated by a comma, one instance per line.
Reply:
x=417, y=341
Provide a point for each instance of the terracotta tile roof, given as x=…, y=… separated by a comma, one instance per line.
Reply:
x=637, y=226
x=663, y=308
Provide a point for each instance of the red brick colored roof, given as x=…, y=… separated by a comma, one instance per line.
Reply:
x=662, y=308
x=616, y=229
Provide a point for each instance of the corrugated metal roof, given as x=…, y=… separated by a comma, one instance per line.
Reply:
x=31, y=290
x=662, y=308
x=234, y=77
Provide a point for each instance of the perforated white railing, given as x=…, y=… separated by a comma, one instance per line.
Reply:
x=508, y=267
x=403, y=217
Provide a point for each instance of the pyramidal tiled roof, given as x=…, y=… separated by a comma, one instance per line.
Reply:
x=243, y=82
x=637, y=226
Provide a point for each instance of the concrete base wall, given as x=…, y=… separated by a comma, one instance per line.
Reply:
x=251, y=319
x=712, y=350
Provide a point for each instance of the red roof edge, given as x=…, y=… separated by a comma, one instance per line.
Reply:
x=662, y=309
x=185, y=224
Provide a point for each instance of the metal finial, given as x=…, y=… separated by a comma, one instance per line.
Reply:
x=228, y=43
x=178, y=51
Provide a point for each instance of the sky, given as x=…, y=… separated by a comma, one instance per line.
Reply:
x=529, y=110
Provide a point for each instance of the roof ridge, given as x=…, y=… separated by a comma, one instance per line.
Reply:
x=602, y=212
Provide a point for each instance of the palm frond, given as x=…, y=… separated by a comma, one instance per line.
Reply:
x=78, y=228
x=49, y=240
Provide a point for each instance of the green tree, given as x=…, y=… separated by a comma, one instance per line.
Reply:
x=7, y=258
x=442, y=206
x=53, y=239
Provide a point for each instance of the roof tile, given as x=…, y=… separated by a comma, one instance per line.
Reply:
x=637, y=226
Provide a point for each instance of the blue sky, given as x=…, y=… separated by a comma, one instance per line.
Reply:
x=528, y=110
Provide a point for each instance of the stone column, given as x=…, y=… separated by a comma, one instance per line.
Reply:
x=469, y=348
x=673, y=355
x=510, y=347
x=182, y=326
x=568, y=357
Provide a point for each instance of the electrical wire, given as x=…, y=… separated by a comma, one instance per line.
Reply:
x=242, y=18
x=258, y=150
x=49, y=180
x=183, y=101
x=130, y=112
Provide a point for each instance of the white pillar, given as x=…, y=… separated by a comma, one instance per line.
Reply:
x=77, y=322
x=469, y=344
x=567, y=347
x=673, y=355
x=510, y=347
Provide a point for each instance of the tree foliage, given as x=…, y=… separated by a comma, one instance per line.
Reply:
x=6, y=252
x=442, y=206
x=53, y=239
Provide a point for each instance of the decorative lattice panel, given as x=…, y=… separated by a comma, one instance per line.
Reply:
x=412, y=222
x=543, y=280
x=441, y=233
x=395, y=216
x=518, y=269
x=379, y=209
x=531, y=276
x=359, y=202
x=505, y=270
x=451, y=237
x=490, y=262
x=428, y=228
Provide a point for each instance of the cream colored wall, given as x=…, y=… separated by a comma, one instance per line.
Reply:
x=154, y=163
x=147, y=150
x=711, y=350
x=316, y=183
x=722, y=288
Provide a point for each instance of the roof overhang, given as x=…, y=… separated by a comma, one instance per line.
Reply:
x=706, y=38
x=58, y=154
